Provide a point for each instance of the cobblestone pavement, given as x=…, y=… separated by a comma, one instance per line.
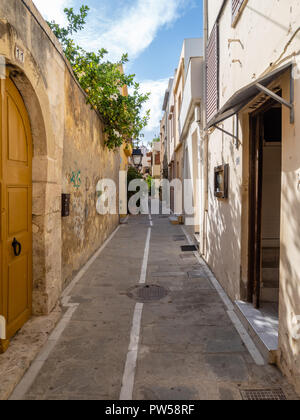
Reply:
x=186, y=345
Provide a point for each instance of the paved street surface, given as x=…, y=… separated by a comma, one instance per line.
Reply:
x=188, y=348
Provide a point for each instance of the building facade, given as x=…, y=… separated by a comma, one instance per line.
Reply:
x=190, y=129
x=164, y=171
x=252, y=201
x=181, y=126
x=230, y=124
x=156, y=160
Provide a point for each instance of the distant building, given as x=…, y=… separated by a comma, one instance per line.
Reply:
x=156, y=160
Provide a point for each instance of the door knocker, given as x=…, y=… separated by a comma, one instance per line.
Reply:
x=17, y=247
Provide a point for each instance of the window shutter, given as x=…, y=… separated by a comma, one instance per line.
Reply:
x=212, y=74
x=157, y=159
x=236, y=7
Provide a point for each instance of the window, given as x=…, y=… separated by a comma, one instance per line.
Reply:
x=237, y=8
x=212, y=74
x=157, y=159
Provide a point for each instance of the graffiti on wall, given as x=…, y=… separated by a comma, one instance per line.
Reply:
x=76, y=179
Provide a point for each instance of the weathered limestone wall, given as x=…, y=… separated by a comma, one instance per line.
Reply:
x=85, y=161
x=66, y=137
x=40, y=80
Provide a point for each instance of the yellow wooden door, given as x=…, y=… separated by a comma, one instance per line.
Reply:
x=16, y=219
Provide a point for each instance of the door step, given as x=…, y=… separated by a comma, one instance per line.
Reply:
x=270, y=275
x=176, y=220
x=262, y=325
x=270, y=257
x=269, y=294
x=270, y=285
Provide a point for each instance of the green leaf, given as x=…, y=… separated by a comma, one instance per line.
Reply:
x=103, y=82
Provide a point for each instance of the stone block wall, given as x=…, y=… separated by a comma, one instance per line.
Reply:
x=67, y=140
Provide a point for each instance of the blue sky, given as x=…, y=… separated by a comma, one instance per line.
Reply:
x=150, y=31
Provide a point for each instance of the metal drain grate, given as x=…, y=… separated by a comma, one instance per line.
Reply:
x=189, y=248
x=263, y=395
x=148, y=293
x=179, y=238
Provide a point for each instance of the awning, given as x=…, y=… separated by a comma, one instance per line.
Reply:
x=245, y=95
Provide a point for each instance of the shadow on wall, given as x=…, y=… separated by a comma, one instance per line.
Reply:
x=289, y=278
x=189, y=176
x=224, y=224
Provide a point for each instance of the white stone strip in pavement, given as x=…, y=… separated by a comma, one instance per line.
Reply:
x=130, y=366
x=27, y=381
x=143, y=276
x=247, y=340
x=150, y=219
x=131, y=360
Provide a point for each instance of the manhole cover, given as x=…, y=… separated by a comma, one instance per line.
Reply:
x=263, y=395
x=189, y=248
x=148, y=293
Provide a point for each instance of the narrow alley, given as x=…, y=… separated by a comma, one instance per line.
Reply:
x=122, y=339
x=192, y=106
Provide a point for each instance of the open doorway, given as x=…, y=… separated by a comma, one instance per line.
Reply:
x=265, y=206
x=260, y=314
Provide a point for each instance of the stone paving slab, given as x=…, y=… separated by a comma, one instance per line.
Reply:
x=23, y=349
x=188, y=348
x=230, y=368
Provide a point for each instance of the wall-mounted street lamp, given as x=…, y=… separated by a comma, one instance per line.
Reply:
x=137, y=158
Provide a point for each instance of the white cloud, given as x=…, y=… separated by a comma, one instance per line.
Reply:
x=134, y=28
x=130, y=28
x=157, y=90
x=53, y=9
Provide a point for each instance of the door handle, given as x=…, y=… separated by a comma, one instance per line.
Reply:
x=17, y=247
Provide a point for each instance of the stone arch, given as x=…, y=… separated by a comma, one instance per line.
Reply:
x=43, y=303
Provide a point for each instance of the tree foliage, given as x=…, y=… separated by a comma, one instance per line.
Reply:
x=103, y=82
x=156, y=139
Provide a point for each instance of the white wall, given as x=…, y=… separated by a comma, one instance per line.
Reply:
x=193, y=47
x=214, y=9
x=193, y=90
x=266, y=37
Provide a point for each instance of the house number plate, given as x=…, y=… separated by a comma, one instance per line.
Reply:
x=20, y=55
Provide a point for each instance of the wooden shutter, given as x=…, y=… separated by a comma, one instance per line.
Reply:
x=236, y=7
x=157, y=159
x=212, y=74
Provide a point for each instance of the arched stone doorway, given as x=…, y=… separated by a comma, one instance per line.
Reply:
x=46, y=286
x=16, y=214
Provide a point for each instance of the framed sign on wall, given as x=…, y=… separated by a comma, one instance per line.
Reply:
x=221, y=181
